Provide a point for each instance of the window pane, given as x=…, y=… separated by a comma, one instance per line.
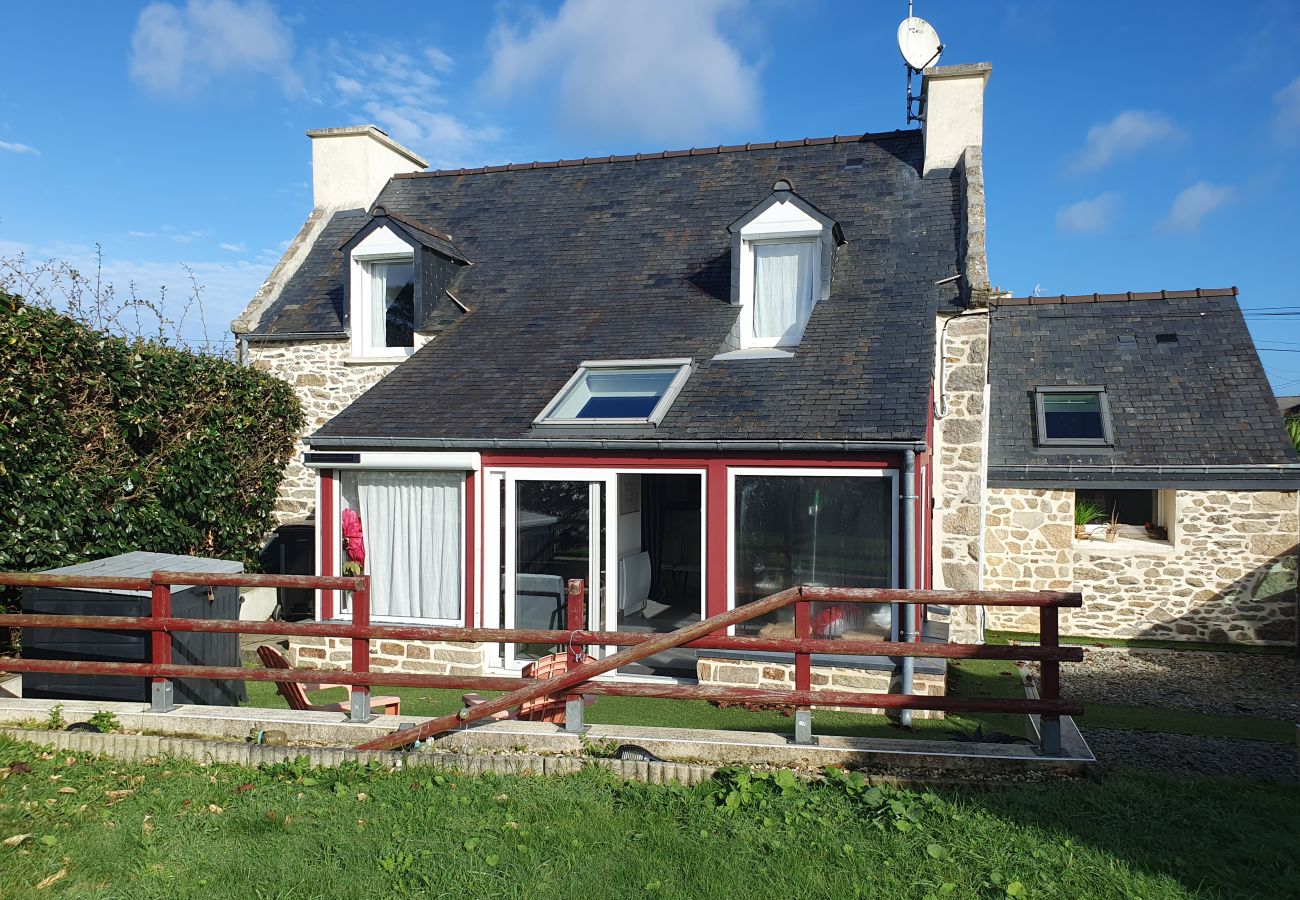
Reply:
x=827, y=530
x=1068, y=416
x=616, y=393
x=394, y=309
x=1132, y=507
x=403, y=529
x=783, y=289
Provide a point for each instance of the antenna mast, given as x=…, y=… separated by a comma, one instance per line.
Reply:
x=920, y=46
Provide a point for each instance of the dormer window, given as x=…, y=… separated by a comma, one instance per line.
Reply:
x=781, y=263
x=399, y=275
x=785, y=283
x=617, y=392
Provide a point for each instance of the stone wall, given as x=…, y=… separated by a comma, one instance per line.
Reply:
x=326, y=380
x=424, y=657
x=755, y=673
x=1228, y=572
x=960, y=441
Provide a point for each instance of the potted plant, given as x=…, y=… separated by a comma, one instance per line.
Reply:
x=1085, y=513
x=1112, y=527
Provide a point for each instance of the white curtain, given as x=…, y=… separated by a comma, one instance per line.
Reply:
x=412, y=527
x=783, y=289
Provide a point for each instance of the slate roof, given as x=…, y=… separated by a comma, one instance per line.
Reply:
x=630, y=259
x=1188, y=397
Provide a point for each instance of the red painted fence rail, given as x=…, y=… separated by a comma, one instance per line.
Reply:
x=709, y=634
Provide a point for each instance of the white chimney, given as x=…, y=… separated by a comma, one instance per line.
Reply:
x=350, y=166
x=953, y=98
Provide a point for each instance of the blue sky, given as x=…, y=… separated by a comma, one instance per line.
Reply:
x=1127, y=146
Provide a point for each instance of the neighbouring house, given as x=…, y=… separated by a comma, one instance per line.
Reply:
x=1153, y=406
x=691, y=378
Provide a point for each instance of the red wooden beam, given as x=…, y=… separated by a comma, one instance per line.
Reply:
x=456, y=634
x=101, y=582
x=243, y=579
x=944, y=598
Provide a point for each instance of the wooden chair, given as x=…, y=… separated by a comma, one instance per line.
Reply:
x=295, y=693
x=550, y=709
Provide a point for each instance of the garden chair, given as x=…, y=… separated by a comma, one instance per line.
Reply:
x=295, y=693
x=549, y=709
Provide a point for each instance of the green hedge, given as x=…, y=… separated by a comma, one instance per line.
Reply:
x=109, y=445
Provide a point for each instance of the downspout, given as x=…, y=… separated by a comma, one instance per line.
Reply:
x=906, y=610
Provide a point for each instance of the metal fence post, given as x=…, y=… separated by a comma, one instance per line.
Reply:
x=802, y=672
x=360, y=709
x=1049, y=688
x=576, y=618
x=161, y=691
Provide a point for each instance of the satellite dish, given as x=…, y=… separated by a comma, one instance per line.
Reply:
x=919, y=43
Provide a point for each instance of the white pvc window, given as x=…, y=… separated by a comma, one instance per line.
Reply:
x=784, y=291
x=406, y=530
x=391, y=305
x=617, y=393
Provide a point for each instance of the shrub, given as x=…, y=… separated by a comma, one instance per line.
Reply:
x=109, y=445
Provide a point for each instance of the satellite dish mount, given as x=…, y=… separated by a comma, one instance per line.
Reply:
x=919, y=43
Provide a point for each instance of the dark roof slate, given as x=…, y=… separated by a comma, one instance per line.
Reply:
x=311, y=300
x=631, y=260
x=1201, y=400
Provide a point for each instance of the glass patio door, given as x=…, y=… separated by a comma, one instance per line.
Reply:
x=555, y=530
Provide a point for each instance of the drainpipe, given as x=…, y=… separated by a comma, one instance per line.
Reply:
x=906, y=610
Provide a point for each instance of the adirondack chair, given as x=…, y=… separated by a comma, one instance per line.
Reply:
x=550, y=709
x=295, y=693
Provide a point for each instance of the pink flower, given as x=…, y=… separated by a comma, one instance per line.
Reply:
x=353, y=540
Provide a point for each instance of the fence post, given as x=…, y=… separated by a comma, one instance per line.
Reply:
x=1049, y=682
x=360, y=604
x=576, y=619
x=161, y=692
x=802, y=673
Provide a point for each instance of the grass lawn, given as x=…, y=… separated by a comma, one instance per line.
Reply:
x=102, y=828
x=1029, y=637
x=966, y=678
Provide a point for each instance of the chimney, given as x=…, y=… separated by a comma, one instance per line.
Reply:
x=350, y=166
x=953, y=98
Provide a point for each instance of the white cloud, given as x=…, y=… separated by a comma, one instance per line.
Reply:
x=404, y=95
x=1089, y=216
x=1125, y=135
x=1194, y=203
x=19, y=148
x=233, y=248
x=178, y=51
x=659, y=69
x=1286, y=120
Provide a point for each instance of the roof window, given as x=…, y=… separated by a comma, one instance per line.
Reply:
x=1073, y=417
x=618, y=392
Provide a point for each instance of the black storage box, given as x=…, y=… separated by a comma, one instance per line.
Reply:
x=188, y=648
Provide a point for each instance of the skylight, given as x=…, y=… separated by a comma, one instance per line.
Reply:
x=1072, y=416
x=618, y=392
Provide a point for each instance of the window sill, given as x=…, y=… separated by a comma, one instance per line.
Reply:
x=376, y=360
x=755, y=353
x=1123, y=545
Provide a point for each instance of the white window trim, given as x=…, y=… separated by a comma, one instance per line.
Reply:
x=684, y=368
x=341, y=611
x=362, y=294
x=782, y=231
x=732, y=472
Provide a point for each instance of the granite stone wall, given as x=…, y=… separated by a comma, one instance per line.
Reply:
x=755, y=673
x=326, y=380
x=960, y=439
x=1227, y=573
x=424, y=657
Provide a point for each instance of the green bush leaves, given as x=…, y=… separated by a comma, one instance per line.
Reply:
x=109, y=445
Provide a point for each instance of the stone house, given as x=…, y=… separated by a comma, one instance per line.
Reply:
x=690, y=378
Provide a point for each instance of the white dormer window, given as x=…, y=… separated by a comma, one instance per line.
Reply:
x=785, y=280
x=391, y=306
x=383, y=296
x=781, y=256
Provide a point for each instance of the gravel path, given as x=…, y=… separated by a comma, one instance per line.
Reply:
x=1177, y=754
x=1221, y=684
